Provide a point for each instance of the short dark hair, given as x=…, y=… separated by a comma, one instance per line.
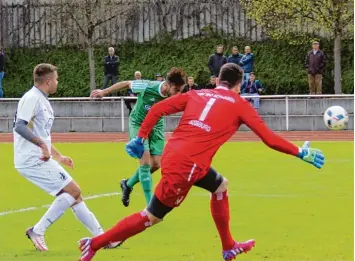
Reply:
x=42, y=70
x=230, y=75
x=176, y=76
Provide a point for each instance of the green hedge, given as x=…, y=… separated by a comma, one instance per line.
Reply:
x=278, y=65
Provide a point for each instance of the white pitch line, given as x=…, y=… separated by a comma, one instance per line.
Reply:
x=5, y=213
x=9, y=212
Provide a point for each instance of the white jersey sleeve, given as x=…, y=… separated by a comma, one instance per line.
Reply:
x=27, y=108
x=35, y=109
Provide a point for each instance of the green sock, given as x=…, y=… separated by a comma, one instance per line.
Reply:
x=134, y=179
x=146, y=181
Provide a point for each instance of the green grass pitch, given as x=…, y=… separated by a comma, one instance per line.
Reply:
x=293, y=211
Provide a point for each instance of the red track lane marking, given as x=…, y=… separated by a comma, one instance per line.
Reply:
x=239, y=136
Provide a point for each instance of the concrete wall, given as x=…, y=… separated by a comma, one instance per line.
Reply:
x=98, y=116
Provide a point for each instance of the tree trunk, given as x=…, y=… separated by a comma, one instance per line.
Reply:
x=337, y=64
x=92, y=67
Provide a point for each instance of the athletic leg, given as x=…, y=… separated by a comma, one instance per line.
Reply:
x=156, y=145
x=128, y=184
x=63, y=201
x=164, y=200
x=145, y=177
x=126, y=227
x=218, y=185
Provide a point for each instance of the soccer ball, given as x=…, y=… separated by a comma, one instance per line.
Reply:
x=336, y=118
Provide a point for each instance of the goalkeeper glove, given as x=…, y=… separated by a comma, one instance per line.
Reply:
x=312, y=156
x=135, y=147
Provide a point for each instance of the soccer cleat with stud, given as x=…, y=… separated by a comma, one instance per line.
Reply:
x=126, y=192
x=87, y=254
x=239, y=248
x=37, y=240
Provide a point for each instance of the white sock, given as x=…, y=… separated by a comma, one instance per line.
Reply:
x=86, y=217
x=55, y=211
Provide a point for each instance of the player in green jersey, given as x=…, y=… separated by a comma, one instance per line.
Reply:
x=149, y=93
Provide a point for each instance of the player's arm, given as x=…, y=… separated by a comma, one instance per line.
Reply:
x=251, y=118
x=25, y=113
x=174, y=104
x=137, y=86
x=60, y=158
x=114, y=88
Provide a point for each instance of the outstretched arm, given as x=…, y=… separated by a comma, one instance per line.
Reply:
x=114, y=88
x=251, y=118
x=177, y=103
x=169, y=106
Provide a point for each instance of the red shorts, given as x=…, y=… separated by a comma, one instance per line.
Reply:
x=178, y=176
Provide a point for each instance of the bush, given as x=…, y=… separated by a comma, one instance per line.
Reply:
x=278, y=65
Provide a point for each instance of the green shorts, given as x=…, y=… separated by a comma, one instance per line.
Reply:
x=155, y=142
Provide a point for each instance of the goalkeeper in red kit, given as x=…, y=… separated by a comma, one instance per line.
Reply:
x=210, y=118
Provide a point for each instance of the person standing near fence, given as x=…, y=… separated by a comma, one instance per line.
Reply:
x=2, y=70
x=111, y=64
x=252, y=87
x=128, y=102
x=315, y=64
x=247, y=62
x=236, y=57
x=191, y=85
x=216, y=60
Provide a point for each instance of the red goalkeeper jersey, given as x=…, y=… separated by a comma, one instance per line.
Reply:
x=210, y=118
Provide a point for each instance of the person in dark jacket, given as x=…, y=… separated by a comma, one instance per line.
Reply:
x=252, y=87
x=235, y=57
x=212, y=83
x=2, y=70
x=111, y=64
x=247, y=62
x=216, y=60
x=191, y=85
x=315, y=64
x=159, y=77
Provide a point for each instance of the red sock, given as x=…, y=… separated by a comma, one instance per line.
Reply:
x=124, y=229
x=220, y=214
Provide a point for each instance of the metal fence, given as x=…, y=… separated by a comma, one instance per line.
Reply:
x=287, y=98
x=32, y=23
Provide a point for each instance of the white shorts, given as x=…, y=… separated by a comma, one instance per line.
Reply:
x=49, y=176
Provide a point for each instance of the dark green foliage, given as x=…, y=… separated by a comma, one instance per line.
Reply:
x=278, y=65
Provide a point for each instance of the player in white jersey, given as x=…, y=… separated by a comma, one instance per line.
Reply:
x=37, y=159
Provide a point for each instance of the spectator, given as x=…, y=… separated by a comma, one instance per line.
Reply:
x=235, y=57
x=212, y=83
x=159, y=77
x=216, y=60
x=2, y=70
x=191, y=85
x=137, y=75
x=252, y=87
x=129, y=102
x=315, y=64
x=111, y=64
x=247, y=62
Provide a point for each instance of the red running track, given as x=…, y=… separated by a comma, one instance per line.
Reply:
x=239, y=136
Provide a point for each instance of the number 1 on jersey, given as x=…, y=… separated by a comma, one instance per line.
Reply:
x=207, y=109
